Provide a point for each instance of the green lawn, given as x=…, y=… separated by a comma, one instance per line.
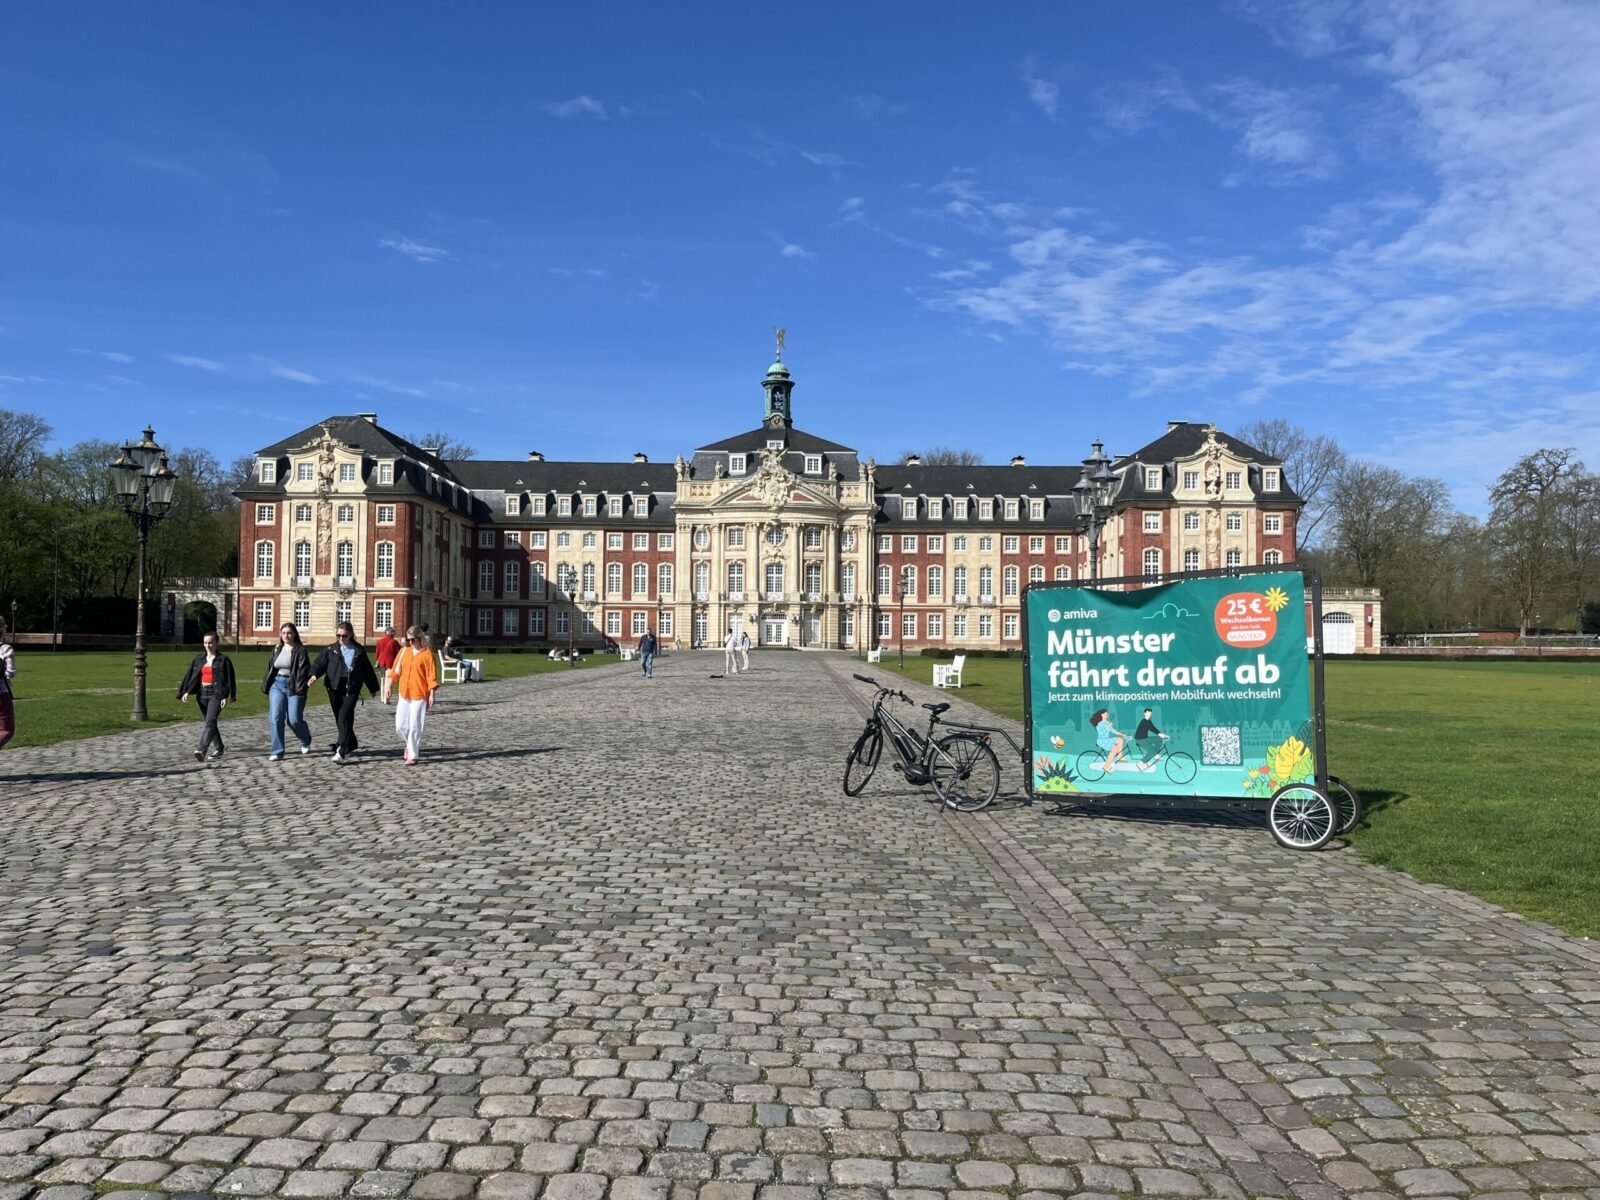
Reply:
x=1479, y=775
x=78, y=694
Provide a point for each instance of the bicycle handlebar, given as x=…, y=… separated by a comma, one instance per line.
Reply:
x=881, y=688
x=865, y=679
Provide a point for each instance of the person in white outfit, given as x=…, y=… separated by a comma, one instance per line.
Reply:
x=744, y=652
x=730, y=652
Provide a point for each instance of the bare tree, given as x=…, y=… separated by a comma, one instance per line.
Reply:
x=1310, y=463
x=22, y=439
x=1524, y=528
x=944, y=456
x=443, y=445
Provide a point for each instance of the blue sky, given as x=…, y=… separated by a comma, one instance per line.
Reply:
x=1012, y=228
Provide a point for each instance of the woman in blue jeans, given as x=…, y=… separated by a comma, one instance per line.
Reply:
x=286, y=683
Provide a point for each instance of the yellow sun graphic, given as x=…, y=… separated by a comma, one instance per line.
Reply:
x=1277, y=599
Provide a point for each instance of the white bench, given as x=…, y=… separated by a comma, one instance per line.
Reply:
x=874, y=656
x=948, y=675
x=461, y=670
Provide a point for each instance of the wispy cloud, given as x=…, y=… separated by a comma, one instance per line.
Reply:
x=871, y=107
x=115, y=356
x=771, y=151
x=386, y=385
x=27, y=379
x=1278, y=132
x=1044, y=93
x=1130, y=106
x=122, y=381
x=291, y=374
x=417, y=251
x=578, y=106
x=853, y=211
x=190, y=360
x=792, y=250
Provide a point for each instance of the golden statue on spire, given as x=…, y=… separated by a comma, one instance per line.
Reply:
x=780, y=334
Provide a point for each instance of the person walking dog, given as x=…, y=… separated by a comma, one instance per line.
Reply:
x=285, y=684
x=211, y=680
x=647, y=654
x=344, y=669
x=388, y=646
x=416, y=679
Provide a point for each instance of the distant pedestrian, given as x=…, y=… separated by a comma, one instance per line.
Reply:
x=647, y=654
x=286, y=682
x=416, y=678
x=730, y=652
x=211, y=681
x=8, y=668
x=344, y=669
x=744, y=652
x=384, y=652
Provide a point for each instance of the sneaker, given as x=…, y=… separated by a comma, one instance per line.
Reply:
x=274, y=758
x=305, y=749
x=214, y=755
x=199, y=756
x=337, y=757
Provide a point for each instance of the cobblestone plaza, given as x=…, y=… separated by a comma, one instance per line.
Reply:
x=625, y=938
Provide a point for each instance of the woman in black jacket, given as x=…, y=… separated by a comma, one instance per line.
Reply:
x=211, y=677
x=287, y=680
x=345, y=669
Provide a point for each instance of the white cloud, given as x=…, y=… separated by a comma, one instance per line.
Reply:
x=790, y=250
x=853, y=211
x=1131, y=106
x=385, y=385
x=290, y=373
x=1044, y=93
x=871, y=107
x=115, y=356
x=1278, y=131
x=578, y=106
x=422, y=252
x=189, y=360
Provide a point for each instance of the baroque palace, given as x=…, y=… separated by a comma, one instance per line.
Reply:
x=778, y=532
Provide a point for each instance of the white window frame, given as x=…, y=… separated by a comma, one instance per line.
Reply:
x=264, y=614
x=266, y=514
x=613, y=623
x=538, y=539
x=346, y=513
x=663, y=541
x=385, y=514
x=267, y=472
x=1234, y=481
x=302, y=513
x=735, y=537
x=985, y=510
x=301, y=615
x=513, y=538
x=1272, y=523
x=1191, y=522
x=1012, y=510
x=935, y=510
x=613, y=541
x=1233, y=558
x=589, y=540
x=1271, y=479
x=1152, y=479
x=641, y=541
x=382, y=614
x=614, y=508
x=378, y=557
x=908, y=626
x=486, y=539
x=1011, y=544
x=1233, y=522
x=908, y=508
x=510, y=622
x=908, y=544
x=1191, y=481
x=305, y=472
x=485, y=622
x=536, y=505
x=935, y=625
x=1152, y=522
x=347, y=472
x=513, y=506
x=535, y=622
x=813, y=464
x=958, y=510
x=563, y=540
x=935, y=582
x=736, y=464
x=1272, y=558
x=1191, y=559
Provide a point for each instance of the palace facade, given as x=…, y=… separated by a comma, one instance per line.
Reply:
x=776, y=531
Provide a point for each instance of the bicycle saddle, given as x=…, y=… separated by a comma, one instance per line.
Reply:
x=936, y=709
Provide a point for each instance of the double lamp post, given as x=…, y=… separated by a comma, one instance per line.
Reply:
x=145, y=487
x=1096, y=486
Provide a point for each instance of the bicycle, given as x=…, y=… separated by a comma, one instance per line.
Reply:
x=1178, y=765
x=961, y=766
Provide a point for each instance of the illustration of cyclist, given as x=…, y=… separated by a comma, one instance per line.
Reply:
x=1149, y=739
x=1109, y=739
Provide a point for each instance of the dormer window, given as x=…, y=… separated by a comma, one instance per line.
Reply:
x=813, y=464
x=1036, y=509
x=1152, y=479
x=736, y=464
x=564, y=506
x=775, y=444
x=513, y=505
x=985, y=510
x=641, y=506
x=1270, y=477
x=347, y=472
x=386, y=472
x=268, y=472
x=591, y=506
x=537, y=503
x=616, y=506
x=908, y=509
x=958, y=510
x=935, y=510
x=304, y=472
x=1191, y=481
x=1011, y=510
x=1235, y=481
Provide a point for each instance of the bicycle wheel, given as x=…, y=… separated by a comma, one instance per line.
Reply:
x=863, y=760
x=1092, y=765
x=1301, y=817
x=965, y=772
x=1347, y=801
x=1181, y=768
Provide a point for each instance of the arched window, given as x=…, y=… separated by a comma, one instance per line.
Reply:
x=641, y=579
x=908, y=580
x=1012, y=578
x=1036, y=574
x=588, y=577
x=513, y=579
x=302, y=560
x=486, y=578
x=385, y=558
x=702, y=580
x=813, y=585
x=1191, y=560
x=885, y=580
x=1152, y=562
x=958, y=578
x=986, y=581
x=664, y=581
x=847, y=581
x=736, y=577
x=344, y=557
x=1063, y=572
x=566, y=580
x=935, y=582
x=614, y=579
x=1233, y=558
x=774, y=579
x=536, y=578
x=1272, y=558
x=264, y=557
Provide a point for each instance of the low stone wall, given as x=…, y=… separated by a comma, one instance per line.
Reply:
x=1572, y=652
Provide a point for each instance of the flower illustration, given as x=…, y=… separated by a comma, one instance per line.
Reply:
x=1277, y=599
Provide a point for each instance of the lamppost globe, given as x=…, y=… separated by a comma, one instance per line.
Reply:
x=146, y=486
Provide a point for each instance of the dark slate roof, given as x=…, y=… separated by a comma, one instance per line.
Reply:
x=355, y=431
x=978, y=481
x=569, y=478
x=796, y=439
x=1185, y=439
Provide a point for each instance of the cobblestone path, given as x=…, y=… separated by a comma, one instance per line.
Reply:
x=628, y=939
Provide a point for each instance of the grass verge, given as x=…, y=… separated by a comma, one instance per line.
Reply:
x=1478, y=775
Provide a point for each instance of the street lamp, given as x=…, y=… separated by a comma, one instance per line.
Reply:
x=903, y=588
x=661, y=604
x=144, y=485
x=1094, y=489
x=566, y=580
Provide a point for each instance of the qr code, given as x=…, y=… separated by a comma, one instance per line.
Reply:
x=1219, y=745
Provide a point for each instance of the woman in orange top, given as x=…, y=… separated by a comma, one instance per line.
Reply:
x=415, y=678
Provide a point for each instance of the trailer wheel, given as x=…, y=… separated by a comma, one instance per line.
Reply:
x=1302, y=817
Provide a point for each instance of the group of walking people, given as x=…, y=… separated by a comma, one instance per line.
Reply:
x=405, y=671
x=736, y=652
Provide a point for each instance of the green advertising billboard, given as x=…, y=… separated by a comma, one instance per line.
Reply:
x=1198, y=688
